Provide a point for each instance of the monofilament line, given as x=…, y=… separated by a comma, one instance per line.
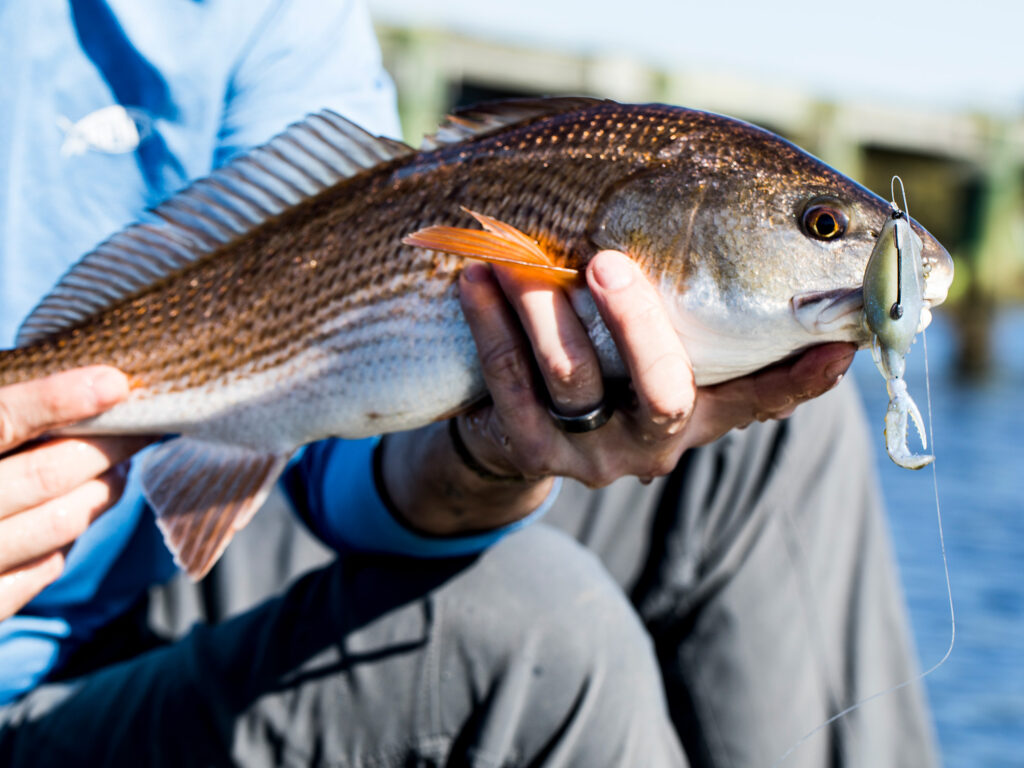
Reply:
x=945, y=567
x=938, y=513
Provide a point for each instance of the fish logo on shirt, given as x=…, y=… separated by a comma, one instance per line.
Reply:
x=113, y=130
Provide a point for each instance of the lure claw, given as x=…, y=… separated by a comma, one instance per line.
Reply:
x=902, y=409
x=893, y=307
x=915, y=416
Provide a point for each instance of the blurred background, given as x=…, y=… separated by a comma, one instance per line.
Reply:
x=934, y=94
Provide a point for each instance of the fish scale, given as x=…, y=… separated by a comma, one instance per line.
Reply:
x=309, y=289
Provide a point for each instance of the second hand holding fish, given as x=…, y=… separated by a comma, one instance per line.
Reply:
x=53, y=490
x=517, y=320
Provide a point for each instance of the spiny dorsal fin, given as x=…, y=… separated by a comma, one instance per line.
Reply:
x=203, y=494
x=485, y=118
x=298, y=164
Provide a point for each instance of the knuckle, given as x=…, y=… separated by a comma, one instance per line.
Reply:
x=599, y=480
x=670, y=392
x=535, y=469
x=569, y=370
x=532, y=460
x=669, y=414
x=64, y=526
x=645, y=313
x=10, y=434
x=44, y=476
x=52, y=568
x=601, y=471
x=506, y=365
x=566, y=373
x=774, y=411
x=665, y=425
x=659, y=466
x=55, y=400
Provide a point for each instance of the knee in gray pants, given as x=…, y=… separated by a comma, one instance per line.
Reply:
x=542, y=659
x=526, y=654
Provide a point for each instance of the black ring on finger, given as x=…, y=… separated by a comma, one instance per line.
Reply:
x=593, y=419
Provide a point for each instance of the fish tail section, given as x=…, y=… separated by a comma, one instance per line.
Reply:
x=203, y=494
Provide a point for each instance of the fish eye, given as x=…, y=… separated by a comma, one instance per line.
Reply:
x=825, y=222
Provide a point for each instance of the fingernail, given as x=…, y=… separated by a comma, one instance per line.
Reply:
x=612, y=271
x=108, y=387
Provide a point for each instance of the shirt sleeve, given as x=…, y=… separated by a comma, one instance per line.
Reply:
x=304, y=56
x=333, y=487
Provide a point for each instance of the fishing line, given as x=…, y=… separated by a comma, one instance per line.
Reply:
x=938, y=514
x=945, y=567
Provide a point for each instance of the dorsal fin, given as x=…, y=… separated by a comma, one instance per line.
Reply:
x=485, y=118
x=301, y=162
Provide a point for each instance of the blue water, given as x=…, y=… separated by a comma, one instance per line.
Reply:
x=977, y=696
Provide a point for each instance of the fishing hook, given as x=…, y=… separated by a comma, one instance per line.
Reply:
x=896, y=310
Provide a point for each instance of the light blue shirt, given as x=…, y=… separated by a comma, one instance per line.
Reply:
x=109, y=108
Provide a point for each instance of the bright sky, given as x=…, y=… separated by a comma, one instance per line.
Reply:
x=948, y=53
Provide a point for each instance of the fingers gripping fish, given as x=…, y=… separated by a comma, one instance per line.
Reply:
x=894, y=311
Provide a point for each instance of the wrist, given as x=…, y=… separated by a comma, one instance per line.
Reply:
x=472, y=463
x=430, y=487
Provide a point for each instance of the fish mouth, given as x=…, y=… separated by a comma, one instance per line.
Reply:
x=938, y=271
x=829, y=312
x=840, y=312
x=837, y=312
x=937, y=281
x=938, y=277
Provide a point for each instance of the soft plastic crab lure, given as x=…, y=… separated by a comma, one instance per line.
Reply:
x=894, y=282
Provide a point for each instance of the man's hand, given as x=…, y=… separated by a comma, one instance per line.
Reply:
x=51, y=491
x=515, y=436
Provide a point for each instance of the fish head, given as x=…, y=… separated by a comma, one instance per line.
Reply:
x=759, y=248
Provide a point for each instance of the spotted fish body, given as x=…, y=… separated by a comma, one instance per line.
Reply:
x=275, y=302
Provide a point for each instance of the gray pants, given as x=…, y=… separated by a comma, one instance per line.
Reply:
x=760, y=571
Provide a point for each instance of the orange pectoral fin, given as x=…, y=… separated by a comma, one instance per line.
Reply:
x=499, y=242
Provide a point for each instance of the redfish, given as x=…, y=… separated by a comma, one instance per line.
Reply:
x=309, y=288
